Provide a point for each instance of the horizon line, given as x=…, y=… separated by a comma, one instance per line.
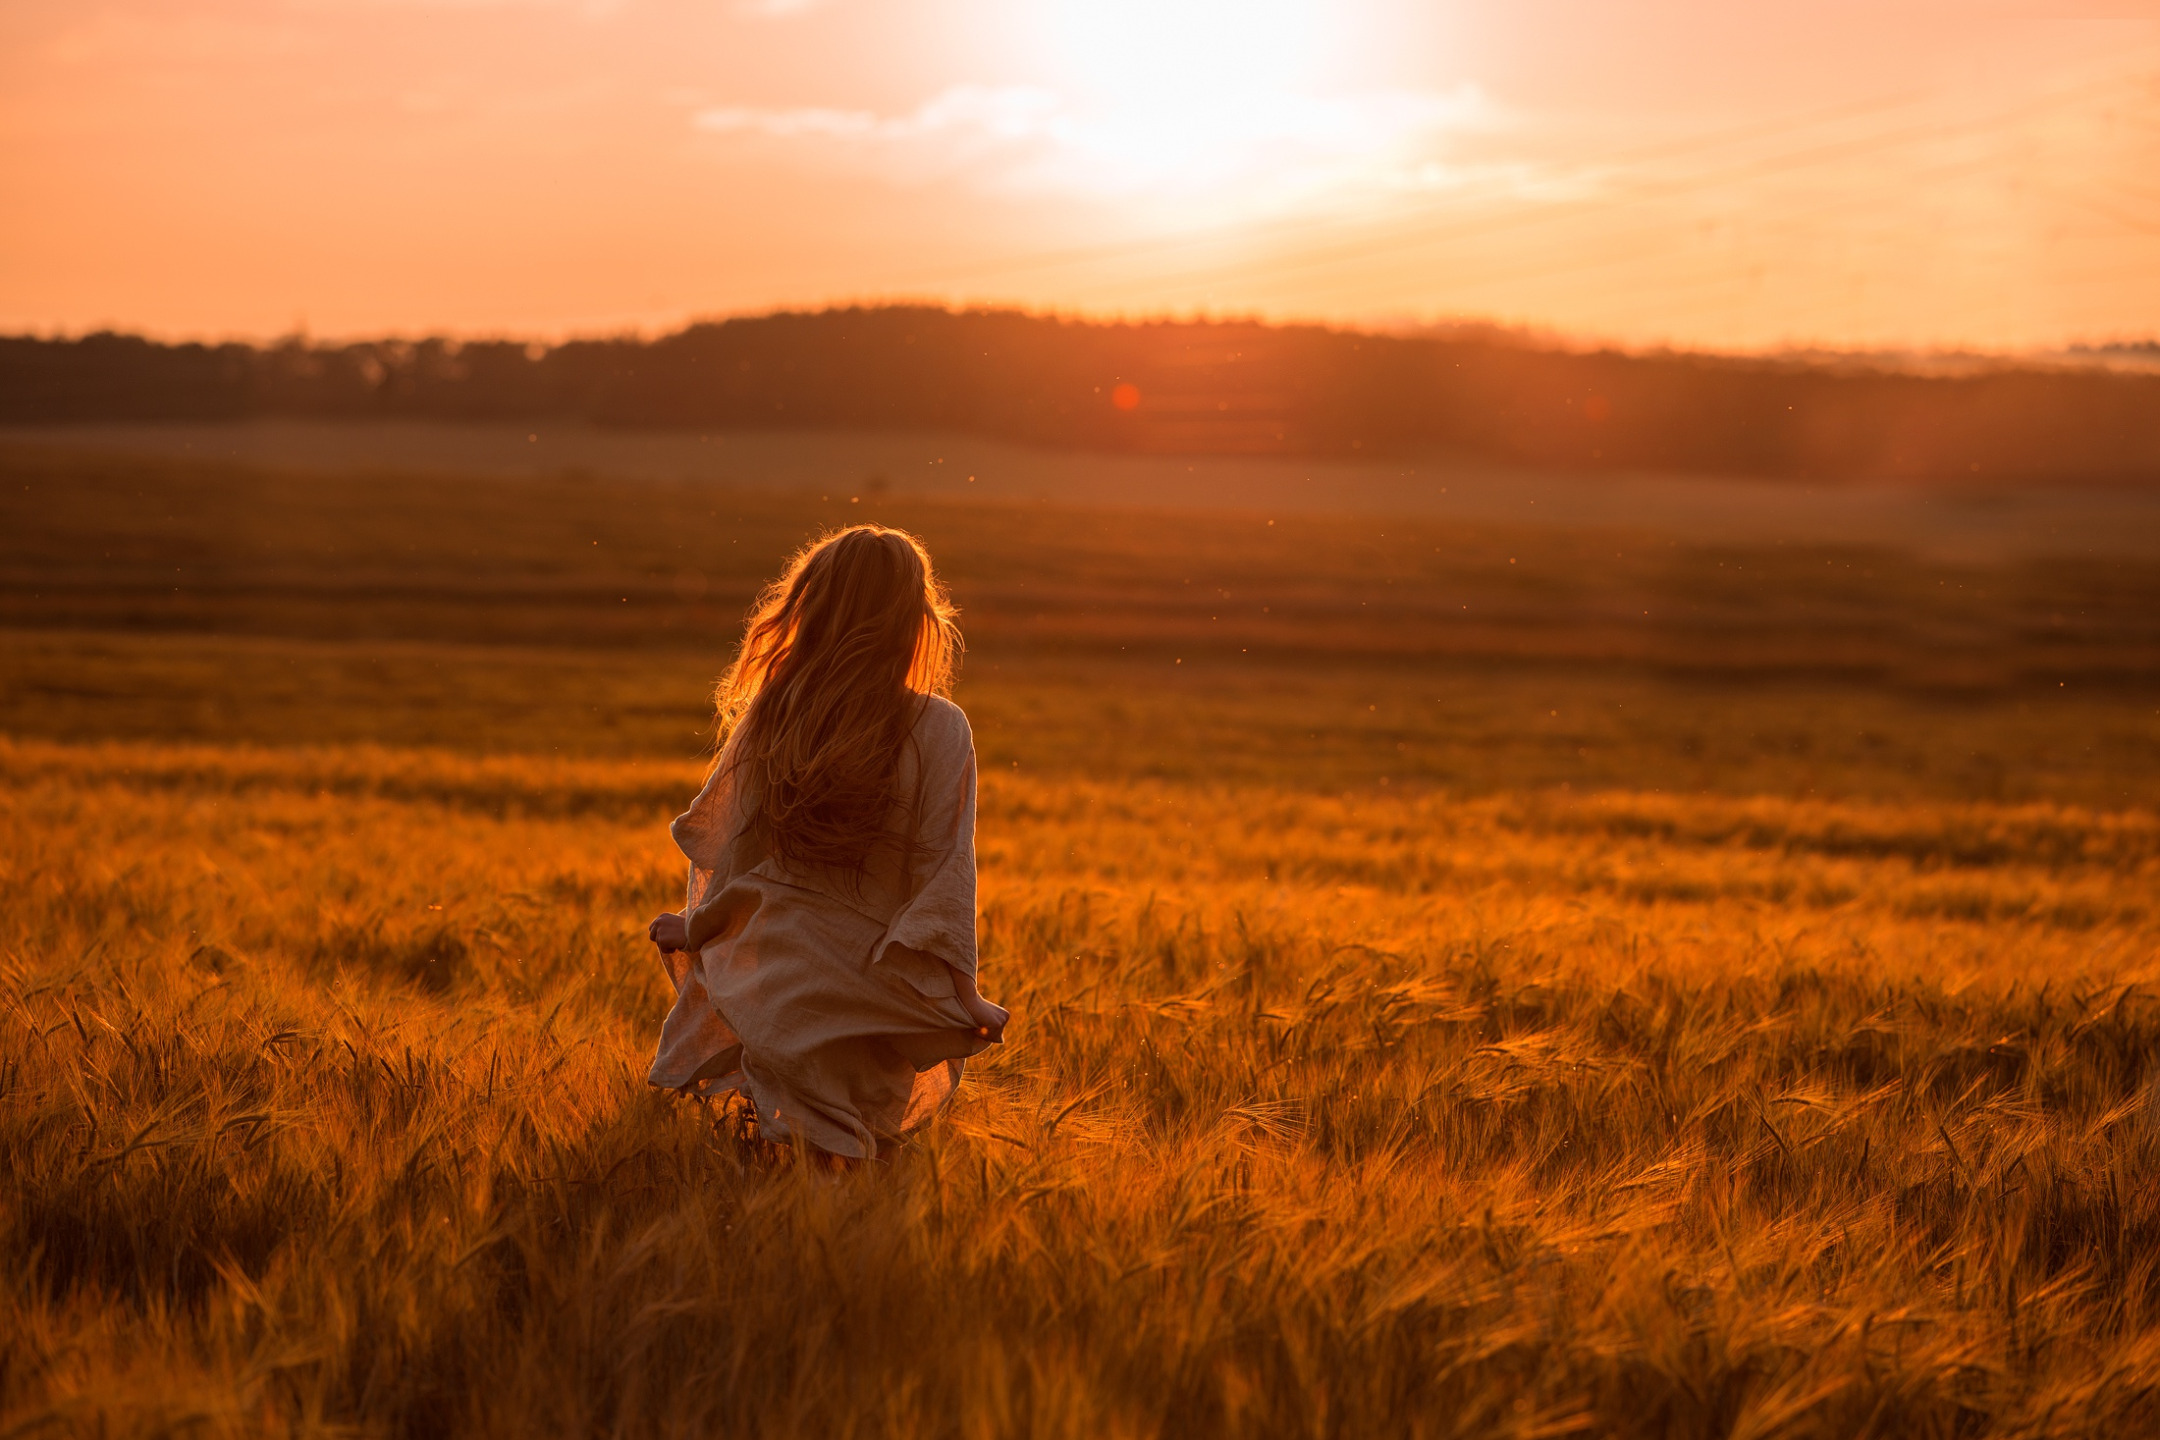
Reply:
x=2080, y=352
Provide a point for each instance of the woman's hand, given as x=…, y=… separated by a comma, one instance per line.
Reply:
x=669, y=932
x=990, y=1020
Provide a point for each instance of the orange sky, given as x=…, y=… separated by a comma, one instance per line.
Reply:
x=1736, y=174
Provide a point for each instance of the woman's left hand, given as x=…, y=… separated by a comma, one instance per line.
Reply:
x=669, y=932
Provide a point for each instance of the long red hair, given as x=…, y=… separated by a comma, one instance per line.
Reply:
x=835, y=661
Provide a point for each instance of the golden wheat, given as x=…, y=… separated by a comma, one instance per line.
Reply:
x=1325, y=1115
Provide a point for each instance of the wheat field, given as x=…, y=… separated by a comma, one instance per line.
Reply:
x=1466, y=1043
x=1324, y=1115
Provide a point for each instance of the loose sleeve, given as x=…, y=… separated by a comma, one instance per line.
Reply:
x=714, y=835
x=938, y=918
x=694, y=1032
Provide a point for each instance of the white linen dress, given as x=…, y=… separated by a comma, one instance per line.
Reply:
x=824, y=997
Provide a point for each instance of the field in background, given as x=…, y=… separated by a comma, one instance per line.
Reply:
x=1451, y=1001
x=1973, y=518
x=1168, y=388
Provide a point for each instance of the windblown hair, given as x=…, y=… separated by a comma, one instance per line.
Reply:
x=835, y=661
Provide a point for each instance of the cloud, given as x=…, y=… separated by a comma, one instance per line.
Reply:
x=1268, y=145
x=1009, y=113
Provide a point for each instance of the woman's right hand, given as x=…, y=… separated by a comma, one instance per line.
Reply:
x=990, y=1019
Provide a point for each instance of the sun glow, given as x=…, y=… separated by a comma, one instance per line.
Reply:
x=1190, y=55
x=1194, y=113
x=1192, y=95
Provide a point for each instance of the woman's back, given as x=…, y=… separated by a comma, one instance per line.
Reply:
x=838, y=994
x=931, y=819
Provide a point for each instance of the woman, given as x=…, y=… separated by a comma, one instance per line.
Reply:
x=825, y=963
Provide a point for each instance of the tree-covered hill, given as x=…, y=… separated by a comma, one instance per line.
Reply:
x=1193, y=387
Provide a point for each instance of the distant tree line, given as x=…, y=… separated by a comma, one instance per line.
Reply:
x=1198, y=387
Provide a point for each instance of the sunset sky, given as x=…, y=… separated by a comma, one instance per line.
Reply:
x=1724, y=173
